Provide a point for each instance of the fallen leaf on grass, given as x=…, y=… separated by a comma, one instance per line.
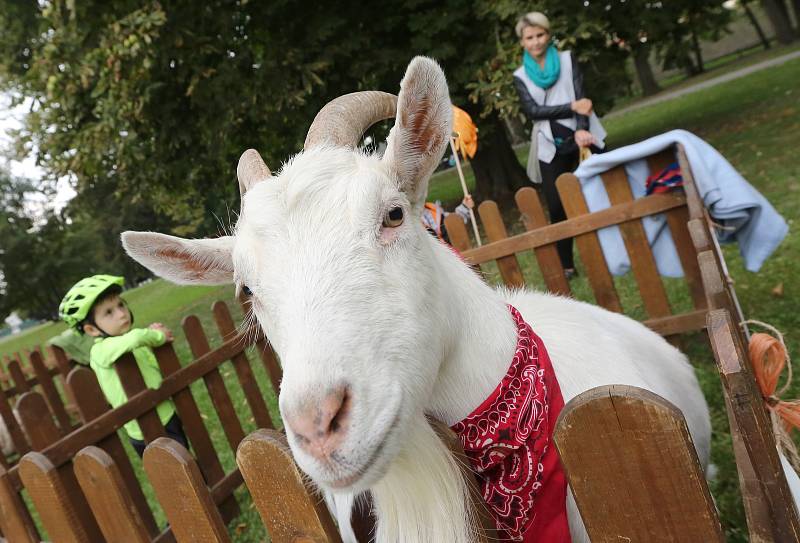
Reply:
x=777, y=290
x=240, y=528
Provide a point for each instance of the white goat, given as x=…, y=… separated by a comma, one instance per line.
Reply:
x=378, y=324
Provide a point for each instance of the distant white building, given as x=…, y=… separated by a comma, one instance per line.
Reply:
x=14, y=322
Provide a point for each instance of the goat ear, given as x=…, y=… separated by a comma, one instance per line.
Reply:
x=422, y=127
x=182, y=261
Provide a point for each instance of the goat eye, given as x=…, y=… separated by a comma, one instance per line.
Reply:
x=394, y=218
x=246, y=291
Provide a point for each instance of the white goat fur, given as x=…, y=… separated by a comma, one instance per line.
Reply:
x=399, y=318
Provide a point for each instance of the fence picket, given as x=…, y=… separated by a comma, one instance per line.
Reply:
x=643, y=264
x=58, y=498
x=569, y=190
x=180, y=489
x=37, y=421
x=677, y=220
x=287, y=509
x=495, y=231
x=547, y=255
x=133, y=382
x=214, y=383
x=54, y=401
x=12, y=425
x=241, y=364
x=91, y=404
x=108, y=497
x=21, y=384
x=16, y=523
x=637, y=437
x=457, y=232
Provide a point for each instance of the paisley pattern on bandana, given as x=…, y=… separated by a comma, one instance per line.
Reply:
x=508, y=441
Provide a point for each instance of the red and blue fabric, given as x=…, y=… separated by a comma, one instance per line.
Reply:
x=509, y=442
x=664, y=181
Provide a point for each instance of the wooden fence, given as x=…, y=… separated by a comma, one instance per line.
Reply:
x=81, y=482
x=84, y=489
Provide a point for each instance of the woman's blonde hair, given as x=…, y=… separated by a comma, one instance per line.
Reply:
x=533, y=18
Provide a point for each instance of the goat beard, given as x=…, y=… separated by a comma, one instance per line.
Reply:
x=424, y=495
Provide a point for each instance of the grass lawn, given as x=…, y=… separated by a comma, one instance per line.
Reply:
x=754, y=121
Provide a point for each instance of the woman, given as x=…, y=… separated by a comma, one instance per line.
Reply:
x=550, y=88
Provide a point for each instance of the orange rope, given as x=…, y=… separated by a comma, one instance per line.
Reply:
x=769, y=356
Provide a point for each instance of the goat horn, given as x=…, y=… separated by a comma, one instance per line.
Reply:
x=251, y=170
x=343, y=120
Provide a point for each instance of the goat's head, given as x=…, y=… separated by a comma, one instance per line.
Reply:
x=339, y=270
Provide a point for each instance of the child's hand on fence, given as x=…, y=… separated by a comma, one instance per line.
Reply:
x=161, y=328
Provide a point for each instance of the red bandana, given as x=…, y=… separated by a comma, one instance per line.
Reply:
x=507, y=439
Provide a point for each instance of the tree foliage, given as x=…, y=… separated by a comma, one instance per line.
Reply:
x=145, y=107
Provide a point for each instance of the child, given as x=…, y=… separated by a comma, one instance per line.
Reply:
x=433, y=215
x=94, y=307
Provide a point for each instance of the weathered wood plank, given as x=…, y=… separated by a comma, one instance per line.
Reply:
x=633, y=468
x=195, y=429
x=753, y=422
x=286, y=507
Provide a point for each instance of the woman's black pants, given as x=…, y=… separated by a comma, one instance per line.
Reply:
x=561, y=163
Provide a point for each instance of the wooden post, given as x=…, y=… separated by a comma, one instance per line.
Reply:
x=750, y=416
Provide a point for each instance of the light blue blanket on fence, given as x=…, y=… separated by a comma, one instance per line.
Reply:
x=744, y=215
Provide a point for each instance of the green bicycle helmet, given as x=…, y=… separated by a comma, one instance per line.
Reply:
x=76, y=303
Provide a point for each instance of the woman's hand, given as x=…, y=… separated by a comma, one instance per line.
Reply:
x=582, y=106
x=584, y=138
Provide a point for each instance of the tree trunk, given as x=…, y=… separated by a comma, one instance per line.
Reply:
x=777, y=13
x=796, y=7
x=753, y=21
x=698, y=52
x=643, y=70
x=498, y=173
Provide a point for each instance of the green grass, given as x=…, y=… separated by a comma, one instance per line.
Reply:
x=714, y=68
x=754, y=121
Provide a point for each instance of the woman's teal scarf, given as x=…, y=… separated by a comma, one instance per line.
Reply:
x=547, y=76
